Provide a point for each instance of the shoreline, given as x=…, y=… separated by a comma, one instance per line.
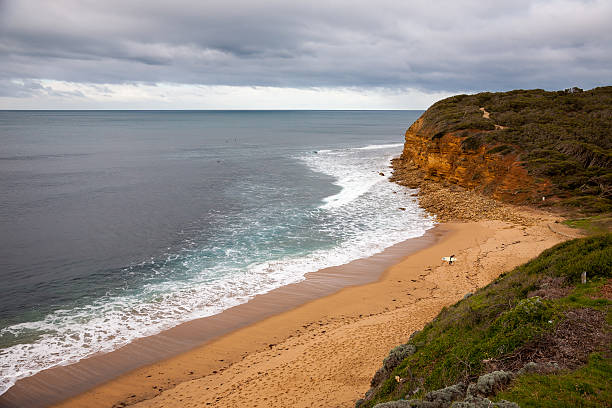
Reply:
x=300, y=357
x=59, y=384
x=325, y=352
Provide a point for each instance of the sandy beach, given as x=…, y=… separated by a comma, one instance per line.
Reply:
x=325, y=352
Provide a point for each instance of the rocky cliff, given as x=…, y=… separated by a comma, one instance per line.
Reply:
x=519, y=146
x=445, y=157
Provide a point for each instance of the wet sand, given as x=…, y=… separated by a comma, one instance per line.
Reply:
x=58, y=384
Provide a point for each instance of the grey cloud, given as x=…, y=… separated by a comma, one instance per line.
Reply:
x=443, y=45
x=32, y=87
x=19, y=89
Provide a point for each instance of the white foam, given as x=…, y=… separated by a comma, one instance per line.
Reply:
x=353, y=186
x=355, y=172
x=371, y=223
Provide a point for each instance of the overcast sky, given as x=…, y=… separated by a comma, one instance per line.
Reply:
x=228, y=54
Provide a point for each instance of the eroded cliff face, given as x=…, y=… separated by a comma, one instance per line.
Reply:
x=444, y=157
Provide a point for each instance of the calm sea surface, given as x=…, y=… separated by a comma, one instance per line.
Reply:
x=116, y=225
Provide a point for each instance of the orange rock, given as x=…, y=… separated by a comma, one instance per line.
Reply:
x=441, y=157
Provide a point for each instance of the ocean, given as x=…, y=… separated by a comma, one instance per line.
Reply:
x=115, y=225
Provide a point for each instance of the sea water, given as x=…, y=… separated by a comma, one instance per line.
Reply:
x=116, y=225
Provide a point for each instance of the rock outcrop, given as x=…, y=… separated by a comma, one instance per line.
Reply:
x=459, y=396
x=450, y=157
x=519, y=147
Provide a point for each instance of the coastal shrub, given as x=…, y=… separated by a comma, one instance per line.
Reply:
x=586, y=387
x=490, y=383
x=474, y=142
x=474, y=123
x=587, y=154
x=447, y=395
x=590, y=204
x=396, y=356
x=519, y=310
x=483, y=98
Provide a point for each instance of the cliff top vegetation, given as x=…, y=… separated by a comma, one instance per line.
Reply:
x=564, y=137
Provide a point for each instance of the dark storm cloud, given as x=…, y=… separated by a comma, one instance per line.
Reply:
x=454, y=45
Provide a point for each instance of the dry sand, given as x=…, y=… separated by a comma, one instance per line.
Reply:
x=324, y=353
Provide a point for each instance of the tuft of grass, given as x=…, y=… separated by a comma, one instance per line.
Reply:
x=588, y=386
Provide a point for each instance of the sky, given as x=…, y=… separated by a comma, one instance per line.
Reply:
x=230, y=54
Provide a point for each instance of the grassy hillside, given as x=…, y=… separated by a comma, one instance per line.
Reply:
x=537, y=322
x=562, y=137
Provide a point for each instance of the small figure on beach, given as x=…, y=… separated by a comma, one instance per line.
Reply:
x=449, y=259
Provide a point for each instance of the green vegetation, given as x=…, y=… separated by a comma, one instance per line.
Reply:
x=564, y=137
x=537, y=312
x=589, y=386
x=597, y=224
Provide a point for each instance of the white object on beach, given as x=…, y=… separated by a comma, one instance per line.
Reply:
x=449, y=259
